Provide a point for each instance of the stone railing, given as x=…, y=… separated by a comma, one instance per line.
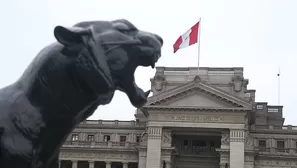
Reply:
x=199, y=150
x=277, y=151
x=289, y=128
x=284, y=128
x=202, y=71
x=92, y=144
x=108, y=123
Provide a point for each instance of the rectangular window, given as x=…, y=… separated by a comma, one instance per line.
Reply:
x=280, y=146
x=106, y=138
x=74, y=137
x=186, y=143
x=122, y=140
x=137, y=138
x=272, y=110
x=260, y=106
x=91, y=138
x=262, y=145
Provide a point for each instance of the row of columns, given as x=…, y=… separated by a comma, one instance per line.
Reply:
x=235, y=140
x=92, y=164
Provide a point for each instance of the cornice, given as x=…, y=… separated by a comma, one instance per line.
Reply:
x=194, y=108
x=191, y=87
x=147, y=109
x=90, y=149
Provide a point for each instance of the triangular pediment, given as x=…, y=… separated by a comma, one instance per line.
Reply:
x=197, y=94
x=197, y=98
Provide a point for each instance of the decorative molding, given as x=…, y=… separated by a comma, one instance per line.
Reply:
x=166, y=138
x=224, y=155
x=237, y=136
x=249, y=141
x=276, y=163
x=196, y=118
x=97, y=156
x=194, y=86
x=225, y=140
x=154, y=132
x=238, y=83
x=191, y=109
x=158, y=83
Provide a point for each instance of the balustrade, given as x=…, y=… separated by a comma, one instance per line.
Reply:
x=92, y=163
x=197, y=150
x=93, y=144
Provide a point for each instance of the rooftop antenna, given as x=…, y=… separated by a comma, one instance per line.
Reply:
x=278, y=76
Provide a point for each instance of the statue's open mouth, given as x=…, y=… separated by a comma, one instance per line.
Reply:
x=149, y=49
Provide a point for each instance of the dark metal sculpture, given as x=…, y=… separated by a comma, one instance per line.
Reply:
x=65, y=84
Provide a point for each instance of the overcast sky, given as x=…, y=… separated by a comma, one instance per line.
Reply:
x=259, y=35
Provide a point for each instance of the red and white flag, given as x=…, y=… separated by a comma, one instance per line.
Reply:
x=188, y=38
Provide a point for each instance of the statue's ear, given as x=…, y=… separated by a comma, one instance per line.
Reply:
x=70, y=36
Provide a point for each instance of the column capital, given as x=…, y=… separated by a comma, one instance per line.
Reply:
x=108, y=162
x=91, y=161
x=237, y=135
x=154, y=132
x=125, y=162
x=74, y=161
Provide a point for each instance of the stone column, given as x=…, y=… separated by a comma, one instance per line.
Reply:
x=74, y=164
x=237, y=148
x=125, y=164
x=91, y=164
x=167, y=164
x=59, y=163
x=108, y=164
x=154, y=147
x=142, y=158
x=224, y=158
x=225, y=149
x=249, y=160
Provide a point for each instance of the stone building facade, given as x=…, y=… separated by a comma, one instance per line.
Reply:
x=210, y=121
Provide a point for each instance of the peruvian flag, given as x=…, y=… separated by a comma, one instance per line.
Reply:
x=188, y=38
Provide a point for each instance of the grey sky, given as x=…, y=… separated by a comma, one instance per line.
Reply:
x=259, y=35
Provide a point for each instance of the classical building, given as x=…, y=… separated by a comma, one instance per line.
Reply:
x=210, y=121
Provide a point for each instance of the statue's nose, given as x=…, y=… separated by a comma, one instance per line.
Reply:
x=150, y=38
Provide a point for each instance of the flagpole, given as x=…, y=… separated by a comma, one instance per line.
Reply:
x=199, y=35
x=278, y=75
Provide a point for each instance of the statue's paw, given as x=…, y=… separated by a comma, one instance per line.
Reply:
x=141, y=98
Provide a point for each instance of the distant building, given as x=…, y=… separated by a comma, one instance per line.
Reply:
x=210, y=121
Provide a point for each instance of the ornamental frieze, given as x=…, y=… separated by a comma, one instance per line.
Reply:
x=196, y=118
x=98, y=155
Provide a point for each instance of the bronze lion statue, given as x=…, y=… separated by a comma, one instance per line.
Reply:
x=64, y=85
